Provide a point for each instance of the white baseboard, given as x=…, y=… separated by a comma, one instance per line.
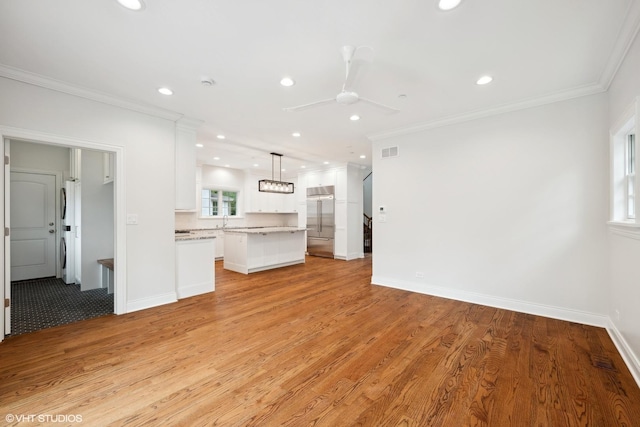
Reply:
x=625, y=351
x=155, y=301
x=553, y=312
x=197, y=289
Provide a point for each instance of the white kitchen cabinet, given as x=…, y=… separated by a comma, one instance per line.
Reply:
x=263, y=202
x=219, y=244
x=321, y=178
x=75, y=163
x=255, y=251
x=186, y=164
x=291, y=246
x=108, y=167
x=250, y=250
x=195, y=267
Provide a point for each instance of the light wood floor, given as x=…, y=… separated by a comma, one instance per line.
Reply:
x=316, y=344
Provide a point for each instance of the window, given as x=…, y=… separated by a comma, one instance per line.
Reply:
x=630, y=172
x=219, y=202
x=624, y=163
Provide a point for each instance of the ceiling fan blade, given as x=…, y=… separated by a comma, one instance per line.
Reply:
x=357, y=65
x=306, y=106
x=390, y=110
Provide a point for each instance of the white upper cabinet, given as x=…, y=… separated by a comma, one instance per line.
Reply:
x=108, y=167
x=262, y=202
x=320, y=178
x=186, y=163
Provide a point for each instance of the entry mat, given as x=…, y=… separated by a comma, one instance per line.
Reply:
x=44, y=303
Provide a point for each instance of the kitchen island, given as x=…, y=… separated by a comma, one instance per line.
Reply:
x=247, y=250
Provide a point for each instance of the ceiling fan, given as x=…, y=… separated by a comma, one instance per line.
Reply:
x=347, y=96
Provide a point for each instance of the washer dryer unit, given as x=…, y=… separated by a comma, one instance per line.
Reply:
x=67, y=241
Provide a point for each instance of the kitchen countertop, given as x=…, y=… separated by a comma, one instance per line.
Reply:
x=262, y=230
x=192, y=236
x=207, y=233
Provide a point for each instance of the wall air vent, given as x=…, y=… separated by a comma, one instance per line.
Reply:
x=390, y=152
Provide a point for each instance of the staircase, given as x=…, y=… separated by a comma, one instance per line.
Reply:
x=367, y=232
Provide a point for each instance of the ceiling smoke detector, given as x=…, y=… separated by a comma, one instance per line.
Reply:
x=206, y=81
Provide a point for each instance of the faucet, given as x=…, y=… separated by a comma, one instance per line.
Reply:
x=225, y=219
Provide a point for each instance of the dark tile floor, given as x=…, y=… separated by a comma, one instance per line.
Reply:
x=44, y=303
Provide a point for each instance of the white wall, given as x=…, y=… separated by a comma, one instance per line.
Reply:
x=507, y=211
x=41, y=157
x=149, y=149
x=97, y=229
x=624, y=294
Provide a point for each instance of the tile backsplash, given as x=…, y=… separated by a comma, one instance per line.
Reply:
x=190, y=220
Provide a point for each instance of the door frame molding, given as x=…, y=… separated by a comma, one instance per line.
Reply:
x=120, y=236
x=58, y=222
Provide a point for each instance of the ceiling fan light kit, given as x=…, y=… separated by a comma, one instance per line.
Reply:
x=273, y=186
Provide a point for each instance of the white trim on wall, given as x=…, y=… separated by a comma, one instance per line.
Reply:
x=625, y=351
x=59, y=86
x=553, y=312
x=120, y=256
x=566, y=95
x=150, y=302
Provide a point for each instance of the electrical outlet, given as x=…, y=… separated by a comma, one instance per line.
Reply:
x=419, y=274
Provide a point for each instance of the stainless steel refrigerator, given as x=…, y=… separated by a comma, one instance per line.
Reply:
x=320, y=221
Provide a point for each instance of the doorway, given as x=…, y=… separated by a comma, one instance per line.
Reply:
x=41, y=294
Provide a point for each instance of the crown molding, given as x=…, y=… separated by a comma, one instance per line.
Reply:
x=625, y=39
x=59, y=86
x=188, y=123
x=626, y=36
x=578, y=92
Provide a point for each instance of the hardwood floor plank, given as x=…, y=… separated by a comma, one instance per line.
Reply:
x=317, y=344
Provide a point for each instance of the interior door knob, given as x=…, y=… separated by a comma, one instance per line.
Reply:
x=50, y=224
x=52, y=231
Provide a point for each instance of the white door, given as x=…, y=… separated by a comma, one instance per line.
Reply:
x=33, y=218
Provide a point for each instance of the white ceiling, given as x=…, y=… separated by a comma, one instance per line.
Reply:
x=536, y=50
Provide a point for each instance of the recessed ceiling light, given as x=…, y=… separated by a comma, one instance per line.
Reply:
x=199, y=145
x=363, y=156
x=216, y=158
x=255, y=165
x=165, y=91
x=326, y=163
x=220, y=136
x=484, y=80
x=303, y=167
x=448, y=4
x=283, y=170
x=296, y=134
x=354, y=118
x=287, y=82
x=227, y=166
x=132, y=4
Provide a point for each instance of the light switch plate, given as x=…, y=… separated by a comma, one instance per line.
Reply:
x=132, y=219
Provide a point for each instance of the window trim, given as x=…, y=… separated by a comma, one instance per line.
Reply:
x=628, y=124
x=221, y=191
x=630, y=174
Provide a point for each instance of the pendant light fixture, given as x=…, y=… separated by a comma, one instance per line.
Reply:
x=273, y=186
